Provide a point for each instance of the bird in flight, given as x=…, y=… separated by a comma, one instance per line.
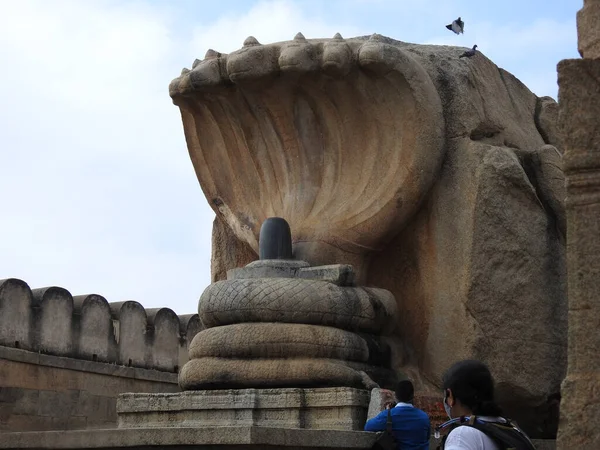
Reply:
x=457, y=26
x=469, y=53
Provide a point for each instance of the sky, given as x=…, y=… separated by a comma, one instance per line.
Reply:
x=98, y=193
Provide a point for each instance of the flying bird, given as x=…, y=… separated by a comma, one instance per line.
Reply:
x=457, y=26
x=469, y=53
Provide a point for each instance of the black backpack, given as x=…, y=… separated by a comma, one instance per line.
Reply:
x=506, y=434
x=386, y=441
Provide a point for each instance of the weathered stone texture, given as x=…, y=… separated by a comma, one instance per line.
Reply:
x=87, y=327
x=335, y=213
x=280, y=340
x=451, y=194
x=228, y=251
x=54, y=320
x=43, y=392
x=16, y=314
x=213, y=438
x=236, y=438
x=579, y=95
x=95, y=335
x=588, y=29
x=324, y=409
x=493, y=290
x=379, y=399
x=277, y=323
x=294, y=300
x=165, y=336
x=237, y=373
x=58, y=356
x=546, y=118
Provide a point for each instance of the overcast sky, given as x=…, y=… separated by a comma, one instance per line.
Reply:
x=98, y=192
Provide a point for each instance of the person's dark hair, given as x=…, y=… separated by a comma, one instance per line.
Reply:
x=472, y=384
x=405, y=391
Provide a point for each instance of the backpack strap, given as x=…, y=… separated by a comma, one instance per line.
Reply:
x=505, y=434
x=471, y=423
x=388, y=424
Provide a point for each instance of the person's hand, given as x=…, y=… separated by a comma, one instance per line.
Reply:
x=389, y=405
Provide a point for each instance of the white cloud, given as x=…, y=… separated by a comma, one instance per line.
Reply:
x=267, y=21
x=101, y=194
x=100, y=186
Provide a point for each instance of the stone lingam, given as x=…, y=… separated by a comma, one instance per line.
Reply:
x=284, y=345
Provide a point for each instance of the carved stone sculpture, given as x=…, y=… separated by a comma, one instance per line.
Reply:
x=579, y=98
x=280, y=323
x=438, y=179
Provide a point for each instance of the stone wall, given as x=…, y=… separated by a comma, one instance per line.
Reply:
x=64, y=359
x=43, y=392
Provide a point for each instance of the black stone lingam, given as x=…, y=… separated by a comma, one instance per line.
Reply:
x=275, y=240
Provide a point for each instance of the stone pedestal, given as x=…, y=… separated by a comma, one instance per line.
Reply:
x=579, y=100
x=179, y=438
x=322, y=409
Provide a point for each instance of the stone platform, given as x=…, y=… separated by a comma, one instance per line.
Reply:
x=319, y=408
x=206, y=438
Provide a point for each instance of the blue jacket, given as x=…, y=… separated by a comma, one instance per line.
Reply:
x=411, y=426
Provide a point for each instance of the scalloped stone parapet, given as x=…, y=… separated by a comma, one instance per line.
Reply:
x=50, y=320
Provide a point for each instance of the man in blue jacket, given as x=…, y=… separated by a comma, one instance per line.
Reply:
x=411, y=426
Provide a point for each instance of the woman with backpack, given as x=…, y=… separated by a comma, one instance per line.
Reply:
x=476, y=421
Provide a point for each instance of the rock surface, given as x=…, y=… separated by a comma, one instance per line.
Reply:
x=379, y=399
x=294, y=300
x=279, y=340
x=230, y=373
x=324, y=409
x=579, y=93
x=296, y=329
x=238, y=253
x=450, y=195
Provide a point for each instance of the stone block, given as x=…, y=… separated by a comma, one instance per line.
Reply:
x=269, y=268
x=578, y=412
x=131, y=332
x=588, y=29
x=10, y=394
x=164, y=346
x=28, y=402
x=579, y=85
x=57, y=404
x=26, y=422
x=544, y=444
x=54, y=324
x=223, y=438
x=96, y=339
x=325, y=408
x=5, y=411
x=77, y=423
x=16, y=320
x=48, y=402
x=96, y=408
x=340, y=274
x=379, y=398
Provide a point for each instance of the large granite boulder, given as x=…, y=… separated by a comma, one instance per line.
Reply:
x=437, y=178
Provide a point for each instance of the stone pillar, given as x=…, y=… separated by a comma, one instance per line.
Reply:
x=588, y=26
x=579, y=103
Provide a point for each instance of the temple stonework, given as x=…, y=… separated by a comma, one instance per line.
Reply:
x=383, y=209
x=579, y=97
